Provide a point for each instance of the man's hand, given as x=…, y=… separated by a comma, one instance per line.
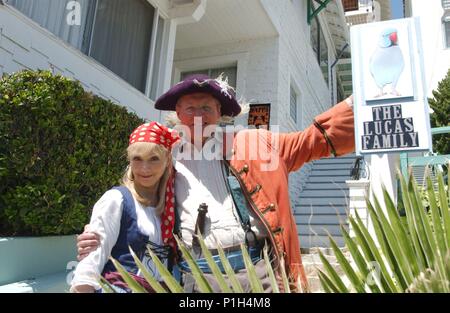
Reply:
x=349, y=101
x=86, y=243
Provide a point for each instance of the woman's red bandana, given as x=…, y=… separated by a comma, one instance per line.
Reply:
x=157, y=133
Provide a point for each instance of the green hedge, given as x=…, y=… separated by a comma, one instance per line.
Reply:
x=61, y=148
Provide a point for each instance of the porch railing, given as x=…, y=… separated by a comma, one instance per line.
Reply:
x=432, y=160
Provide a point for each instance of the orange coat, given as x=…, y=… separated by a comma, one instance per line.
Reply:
x=265, y=183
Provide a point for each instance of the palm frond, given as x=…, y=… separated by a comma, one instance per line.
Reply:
x=410, y=257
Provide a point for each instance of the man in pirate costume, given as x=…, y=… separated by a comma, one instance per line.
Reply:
x=242, y=196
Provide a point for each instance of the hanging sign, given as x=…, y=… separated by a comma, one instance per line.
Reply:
x=390, y=103
x=259, y=115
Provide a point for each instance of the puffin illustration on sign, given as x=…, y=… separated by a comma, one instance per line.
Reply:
x=389, y=62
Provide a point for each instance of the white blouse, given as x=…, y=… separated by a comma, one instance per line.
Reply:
x=105, y=221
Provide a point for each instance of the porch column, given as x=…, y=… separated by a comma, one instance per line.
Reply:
x=382, y=171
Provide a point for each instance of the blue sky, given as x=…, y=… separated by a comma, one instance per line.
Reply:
x=397, y=9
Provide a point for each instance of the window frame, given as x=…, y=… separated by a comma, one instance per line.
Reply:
x=446, y=25
x=293, y=108
x=298, y=123
x=240, y=60
x=446, y=34
x=151, y=56
x=213, y=68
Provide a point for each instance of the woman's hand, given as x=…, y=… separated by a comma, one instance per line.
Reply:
x=86, y=243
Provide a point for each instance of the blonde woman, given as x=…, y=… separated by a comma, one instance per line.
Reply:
x=139, y=213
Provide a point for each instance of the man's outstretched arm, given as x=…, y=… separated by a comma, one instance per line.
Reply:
x=332, y=133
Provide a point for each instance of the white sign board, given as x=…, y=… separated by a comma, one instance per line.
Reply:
x=391, y=108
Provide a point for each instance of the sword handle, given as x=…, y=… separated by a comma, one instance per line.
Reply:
x=200, y=223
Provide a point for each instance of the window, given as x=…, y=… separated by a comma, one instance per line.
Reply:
x=319, y=45
x=446, y=22
x=52, y=15
x=230, y=72
x=447, y=34
x=157, y=60
x=446, y=4
x=293, y=105
x=116, y=33
x=350, y=5
x=121, y=38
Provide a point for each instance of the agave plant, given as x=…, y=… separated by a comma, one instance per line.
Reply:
x=204, y=286
x=408, y=257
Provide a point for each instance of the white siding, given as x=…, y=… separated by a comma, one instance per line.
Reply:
x=297, y=61
x=265, y=68
x=436, y=56
x=257, y=68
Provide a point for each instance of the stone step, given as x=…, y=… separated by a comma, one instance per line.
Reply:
x=314, y=258
x=325, y=251
x=312, y=241
x=314, y=284
x=312, y=262
x=312, y=269
x=320, y=219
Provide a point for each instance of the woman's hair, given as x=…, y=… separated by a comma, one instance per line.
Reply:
x=143, y=149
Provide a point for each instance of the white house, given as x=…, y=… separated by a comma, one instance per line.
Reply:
x=265, y=47
x=435, y=31
x=366, y=11
x=434, y=16
x=120, y=50
x=283, y=53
